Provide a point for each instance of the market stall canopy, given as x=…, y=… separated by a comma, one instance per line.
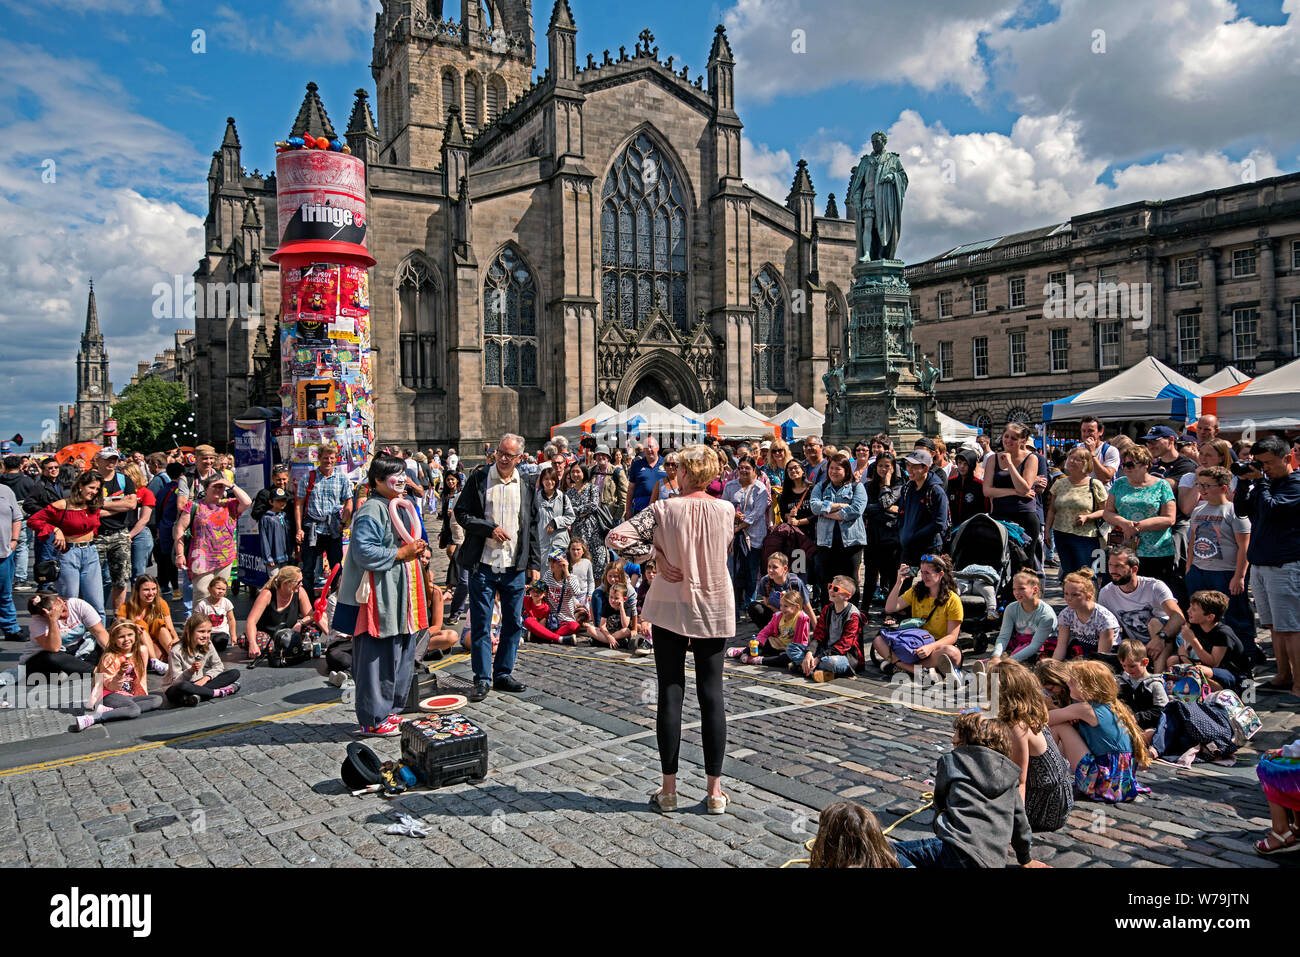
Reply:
x=954, y=432
x=688, y=413
x=644, y=419
x=1269, y=401
x=1225, y=378
x=583, y=422
x=726, y=421
x=797, y=422
x=1148, y=390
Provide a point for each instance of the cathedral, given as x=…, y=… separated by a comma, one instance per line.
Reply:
x=544, y=239
x=84, y=421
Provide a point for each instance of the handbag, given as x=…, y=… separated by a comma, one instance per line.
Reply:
x=553, y=619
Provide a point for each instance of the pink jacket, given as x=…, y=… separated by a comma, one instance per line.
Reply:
x=800, y=629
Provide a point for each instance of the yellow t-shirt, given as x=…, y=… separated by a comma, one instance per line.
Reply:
x=942, y=620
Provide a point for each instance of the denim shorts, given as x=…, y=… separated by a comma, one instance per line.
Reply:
x=1277, y=595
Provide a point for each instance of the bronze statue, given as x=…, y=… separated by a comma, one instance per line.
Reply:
x=875, y=194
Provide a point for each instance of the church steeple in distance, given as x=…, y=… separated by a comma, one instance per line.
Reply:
x=94, y=391
x=91, y=333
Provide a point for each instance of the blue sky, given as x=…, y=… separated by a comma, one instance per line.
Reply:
x=1017, y=99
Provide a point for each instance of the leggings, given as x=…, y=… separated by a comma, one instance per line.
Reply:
x=57, y=663
x=124, y=706
x=540, y=632
x=183, y=687
x=670, y=668
x=168, y=575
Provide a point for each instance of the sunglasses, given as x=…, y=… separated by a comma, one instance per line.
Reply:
x=930, y=558
x=1129, y=465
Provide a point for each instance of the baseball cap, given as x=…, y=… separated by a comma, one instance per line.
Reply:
x=108, y=453
x=279, y=495
x=1159, y=432
x=765, y=445
x=601, y=449
x=926, y=443
x=920, y=457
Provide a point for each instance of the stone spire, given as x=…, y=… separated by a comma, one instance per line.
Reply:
x=832, y=209
x=312, y=117
x=252, y=217
x=231, y=139
x=454, y=135
x=92, y=333
x=802, y=182
x=562, y=44
x=562, y=16
x=362, y=137
x=721, y=50
x=722, y=74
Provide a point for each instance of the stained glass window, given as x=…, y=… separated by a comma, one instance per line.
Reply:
x=509, y=323
x=769, y=332
x=417, y=299
x=643, y=246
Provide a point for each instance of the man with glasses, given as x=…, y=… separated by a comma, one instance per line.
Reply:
x=500, y=548
x=814, y=465
x=322, y=506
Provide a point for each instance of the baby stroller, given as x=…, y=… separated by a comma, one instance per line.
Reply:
x=983, y=563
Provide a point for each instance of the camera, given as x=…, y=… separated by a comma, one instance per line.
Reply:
x=1241, y=469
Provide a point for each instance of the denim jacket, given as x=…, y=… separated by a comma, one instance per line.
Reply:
x=854, y=496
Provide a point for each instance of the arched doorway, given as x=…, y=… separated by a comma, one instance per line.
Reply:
x=663, y=376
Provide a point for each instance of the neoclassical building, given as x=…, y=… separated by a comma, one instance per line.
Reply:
x=545, y=243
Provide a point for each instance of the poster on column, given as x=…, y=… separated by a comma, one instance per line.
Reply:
x=254, y=456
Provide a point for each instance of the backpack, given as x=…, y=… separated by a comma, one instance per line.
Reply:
x=1245, y=722
x=1186, y=683
x=288, y=647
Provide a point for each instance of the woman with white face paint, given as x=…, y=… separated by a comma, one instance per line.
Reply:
x=381, y=600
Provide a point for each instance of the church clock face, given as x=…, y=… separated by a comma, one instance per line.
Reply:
x=94, y=390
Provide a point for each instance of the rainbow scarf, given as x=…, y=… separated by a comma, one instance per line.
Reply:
x=417, y=603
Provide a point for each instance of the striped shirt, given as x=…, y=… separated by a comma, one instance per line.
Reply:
x=504, y=497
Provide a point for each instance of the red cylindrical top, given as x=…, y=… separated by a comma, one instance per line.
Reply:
x=321, y=205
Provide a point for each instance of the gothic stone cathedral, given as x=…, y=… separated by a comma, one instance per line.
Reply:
x=544, y=245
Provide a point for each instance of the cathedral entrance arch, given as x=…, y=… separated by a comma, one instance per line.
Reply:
x=660, y=375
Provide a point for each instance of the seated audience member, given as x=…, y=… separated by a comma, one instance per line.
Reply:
x=561, y=600
x=66, y=635
x=1143, y=692
x=1099, y=736
x=1276, y=772
x=220, y=612
x=196, y=672
x=783, y=642
x=619, y=627
x=121, y=687
x=848, y=835
x=649, y=569
x=835, y=649
x=441, y=639
x=599, y=605
x=1144, y=607
x=978, y=810
x=145, y=605
x=1084, y=629
x=1045, y=779
x=281, y=603
x=1054, y=676
x=1211, y=645
x=934, y=600
x=772, y=586
x=1027, y=622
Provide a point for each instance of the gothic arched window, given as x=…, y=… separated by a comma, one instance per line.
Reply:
x=417, y=301
x=769, y=331
x=509, y=322
x=449, y=98
x=473, y=100
x=643, y=238
x=496, y=97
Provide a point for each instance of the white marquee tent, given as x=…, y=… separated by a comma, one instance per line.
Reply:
x=583, y=422
x=644, y=419
x=1270, y=401
x=728, y=422
x=1148, y=390
x=1225, y=378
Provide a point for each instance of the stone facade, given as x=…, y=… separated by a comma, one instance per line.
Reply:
x=1201, y=282
x=502, y=299
x=84, y=421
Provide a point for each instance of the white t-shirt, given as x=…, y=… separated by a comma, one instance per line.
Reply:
x=72, y=632
x=1134, y=610
x=216, y=614
x=452, y=461
x=1108, y=456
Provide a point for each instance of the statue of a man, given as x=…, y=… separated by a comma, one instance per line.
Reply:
x=876, y=194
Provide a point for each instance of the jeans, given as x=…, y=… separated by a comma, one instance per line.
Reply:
x=485, y=585
x=1240, y=617
x=141, y=549
x=1074, y=551
x=46, y=550
x=930, y=852
x=187, y=592
x=746, y=569
x=80, y=576
x=22, y=554
x=331, y=548
x=8, y=614
x=840, y=664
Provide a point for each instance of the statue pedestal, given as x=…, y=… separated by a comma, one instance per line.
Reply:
x=877, y=389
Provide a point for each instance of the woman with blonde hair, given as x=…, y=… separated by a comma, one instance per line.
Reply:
x=1099, y=736
x=691, y=604
x=1044, y=775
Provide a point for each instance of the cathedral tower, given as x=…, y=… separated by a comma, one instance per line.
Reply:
x=94, y=391
x=425, y=63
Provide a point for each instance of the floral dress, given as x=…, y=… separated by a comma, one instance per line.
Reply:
x=1136, y=504
x=213, y=545
x=586, y=528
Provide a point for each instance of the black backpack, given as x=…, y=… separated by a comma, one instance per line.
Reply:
x=288, y=647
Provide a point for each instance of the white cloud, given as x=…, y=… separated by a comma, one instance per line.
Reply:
x=931, y=45
x=769, y=171
x=971, y=186
x=333, y=30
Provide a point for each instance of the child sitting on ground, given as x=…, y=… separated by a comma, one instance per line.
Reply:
x=121, y=688
x=1279, y=774
x=848, y=835
x=619, y=629
x=196, y=672
x=978, y=811
x=218, y=609
x=1211, y=645
x=1097, y=734
x=1054, y=677
x=783, y=642
x=1026, y=624
x=1143, y=692
x=1084, y=629
x=441, y=639
x=563, y=594
x=649, y=569
x=601, y=613
x=1045, y=779
x=835, y=649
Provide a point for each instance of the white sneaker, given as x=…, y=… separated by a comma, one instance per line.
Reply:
x=83, y=722
x=337, y=678
x=157, y=667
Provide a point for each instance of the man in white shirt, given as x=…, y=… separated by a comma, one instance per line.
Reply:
x=1104, y=455
x=1145, y=607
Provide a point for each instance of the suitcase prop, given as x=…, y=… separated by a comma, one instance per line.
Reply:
x=445, y=749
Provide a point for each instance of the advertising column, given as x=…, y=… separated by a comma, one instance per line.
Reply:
x=327, y=388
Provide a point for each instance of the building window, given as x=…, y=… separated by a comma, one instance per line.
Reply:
x=945, y=361
x=1189, y=271
x=1016, y=342
x=1295, y=330
x=1016, y=292
x=643, y=238
x=417, y=299
x=769, y=331
x=1189, y=338
x=449, y=97
x=1295, y=254
x=1108, y=345
x=473, y=100
x=980, y=356
x=1243, y=262
x=984, y=422
x=1245, y=333
x=979, y=297
x=945, y=305
x=496, y=97
x=1060, y=343
x=1107, y=274
x=509, y=323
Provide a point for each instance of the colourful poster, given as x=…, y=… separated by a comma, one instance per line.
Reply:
x=319, y=292
x=354, y=296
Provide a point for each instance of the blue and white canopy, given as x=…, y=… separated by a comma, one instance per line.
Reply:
x=1149, y=390
x=644, y=419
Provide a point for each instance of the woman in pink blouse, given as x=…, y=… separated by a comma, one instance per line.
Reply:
x=690, y=603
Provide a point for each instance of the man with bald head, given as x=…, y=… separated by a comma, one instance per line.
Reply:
x=646, y=472
x=1207, y=429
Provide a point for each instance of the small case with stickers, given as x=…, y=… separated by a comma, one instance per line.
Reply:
x=445, y=749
